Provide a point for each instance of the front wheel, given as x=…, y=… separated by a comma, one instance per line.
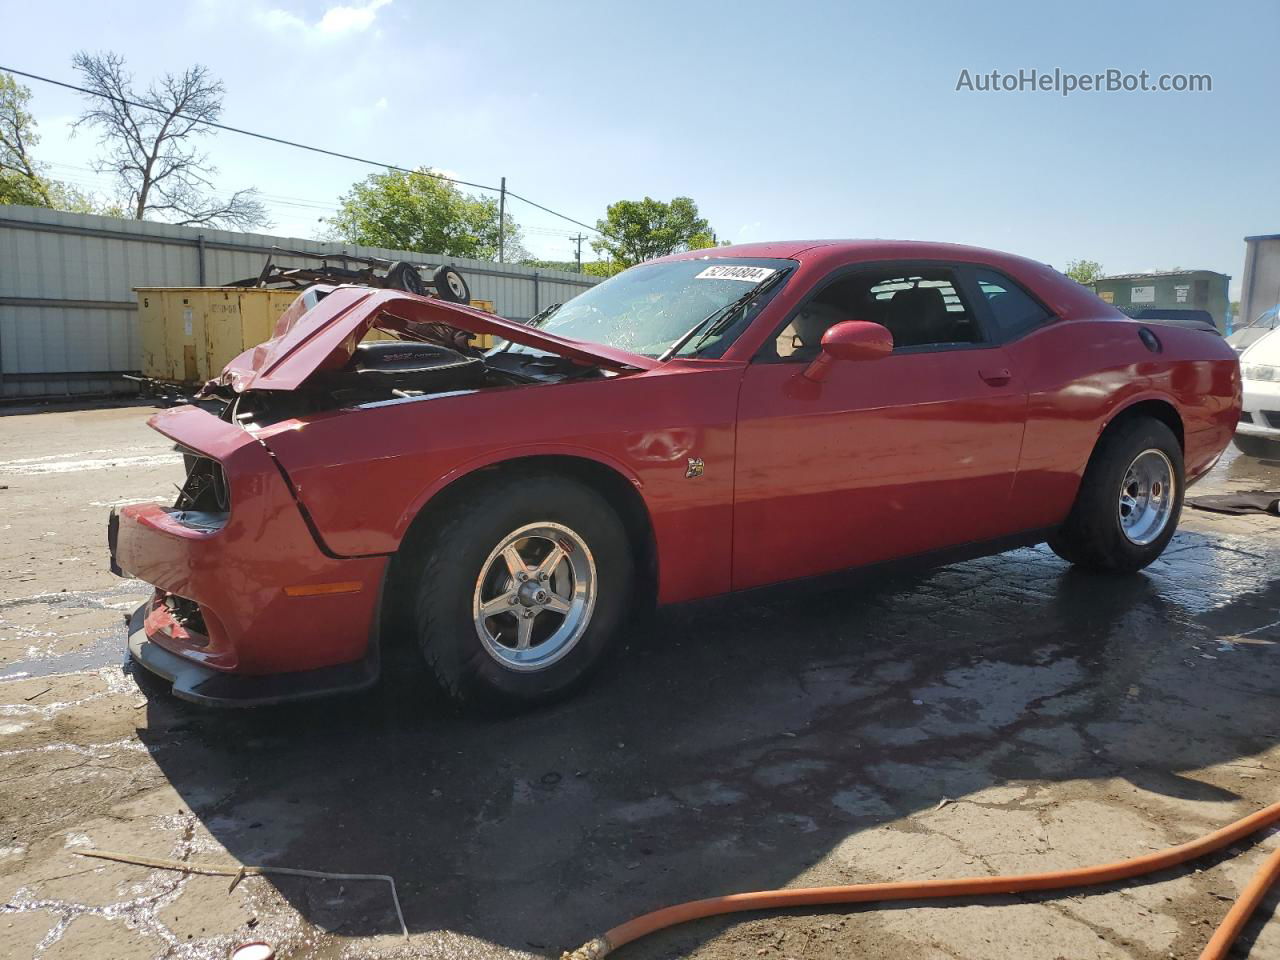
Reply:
x=1129, y=501
x=522, y=591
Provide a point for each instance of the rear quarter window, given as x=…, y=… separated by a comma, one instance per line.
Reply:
x=1013, y=311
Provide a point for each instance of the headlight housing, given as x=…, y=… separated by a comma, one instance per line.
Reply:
x=1260, y=371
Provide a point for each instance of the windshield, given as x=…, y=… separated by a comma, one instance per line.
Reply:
x=649, y=308
x=1265, y=321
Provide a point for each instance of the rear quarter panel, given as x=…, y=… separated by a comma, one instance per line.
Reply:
x=1081, y=374
x=364, y=474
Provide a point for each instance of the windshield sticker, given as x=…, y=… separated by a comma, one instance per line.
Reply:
x=727, y=272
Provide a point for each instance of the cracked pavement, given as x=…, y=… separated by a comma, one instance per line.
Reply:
x=1001, y=715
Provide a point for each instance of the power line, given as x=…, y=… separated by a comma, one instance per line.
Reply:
x=89, y=177
x=547, y=231
x=293, y=143
x=552, y=212
x=104, y=184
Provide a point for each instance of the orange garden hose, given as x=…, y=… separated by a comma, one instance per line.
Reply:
x=1235, y=919
x=1216, y=949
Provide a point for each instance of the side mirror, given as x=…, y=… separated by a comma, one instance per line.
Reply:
x=850, y=340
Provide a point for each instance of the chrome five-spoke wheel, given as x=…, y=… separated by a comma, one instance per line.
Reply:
x=535, y=595
x=1146, y=496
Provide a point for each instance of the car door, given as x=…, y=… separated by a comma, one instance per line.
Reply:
x=892, y=457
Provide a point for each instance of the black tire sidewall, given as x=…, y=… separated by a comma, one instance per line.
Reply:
x=446, y=585
x=403, y=276
x=440, y=279
x=1093, y=535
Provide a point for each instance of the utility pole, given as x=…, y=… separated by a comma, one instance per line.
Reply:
x=578, y=240
x=502, y=217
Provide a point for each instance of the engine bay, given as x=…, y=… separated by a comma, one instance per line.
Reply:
x=348, y=348
x=381, y=371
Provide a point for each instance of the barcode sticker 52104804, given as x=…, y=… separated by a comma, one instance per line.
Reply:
x=731, y=272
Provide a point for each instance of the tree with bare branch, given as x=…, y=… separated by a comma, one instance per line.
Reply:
x=21, y=181
x=149, y=135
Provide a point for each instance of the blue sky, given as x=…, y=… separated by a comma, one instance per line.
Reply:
x=782, y=120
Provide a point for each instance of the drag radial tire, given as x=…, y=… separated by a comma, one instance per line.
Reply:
x=1125, y=514
x=551, y=558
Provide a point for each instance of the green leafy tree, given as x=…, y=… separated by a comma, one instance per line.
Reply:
x=21, y=180
x=567, y=265
x=420, y=212
x=591, y=268
x=1084, y=271
x=602, y=268
x=637, y=230
x=22, y=177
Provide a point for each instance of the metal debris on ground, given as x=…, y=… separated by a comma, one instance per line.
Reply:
x=243, y=870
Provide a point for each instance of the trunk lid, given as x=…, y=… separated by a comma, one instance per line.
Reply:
x=312, y=336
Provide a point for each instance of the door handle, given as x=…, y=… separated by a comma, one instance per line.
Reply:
x=996, y=376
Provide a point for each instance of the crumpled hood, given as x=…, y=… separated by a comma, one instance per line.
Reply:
x=312, y=336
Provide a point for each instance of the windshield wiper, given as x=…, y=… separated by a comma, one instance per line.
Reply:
x=716, y=321
x=543, y=315
x=537, y=320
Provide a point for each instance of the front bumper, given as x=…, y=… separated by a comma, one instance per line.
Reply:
x=255, y=617
x=1260, y=411
x=208, y=687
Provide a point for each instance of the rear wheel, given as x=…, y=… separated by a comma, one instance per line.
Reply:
x=520, y=596
x=1264, y=448
x=1129, y=501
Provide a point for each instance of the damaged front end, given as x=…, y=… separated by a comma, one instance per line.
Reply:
x=322, y=358
x=249, y=608
x=251, y=605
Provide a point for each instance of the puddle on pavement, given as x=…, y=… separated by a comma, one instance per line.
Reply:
x=102, y=651
x=41, y=657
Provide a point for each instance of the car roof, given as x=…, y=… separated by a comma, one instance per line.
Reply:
x=870, y=249
x=1062, y=295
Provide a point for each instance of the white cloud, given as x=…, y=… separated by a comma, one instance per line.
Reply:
x=338, y=20
x=279, y=20
x=335, y=22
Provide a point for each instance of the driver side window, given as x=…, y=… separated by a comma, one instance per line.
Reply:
x=921, y=305
x=801, y=338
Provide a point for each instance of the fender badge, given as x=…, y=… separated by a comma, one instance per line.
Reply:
x=694, y=469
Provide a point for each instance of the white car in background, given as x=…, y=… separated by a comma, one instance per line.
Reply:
x=1253, y=331
x=1258, y=433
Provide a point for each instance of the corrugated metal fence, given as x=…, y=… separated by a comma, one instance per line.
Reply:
x=68, y=314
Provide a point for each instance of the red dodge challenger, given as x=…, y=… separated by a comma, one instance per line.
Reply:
x=712, y=421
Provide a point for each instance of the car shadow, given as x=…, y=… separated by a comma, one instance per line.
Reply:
x=733, y=746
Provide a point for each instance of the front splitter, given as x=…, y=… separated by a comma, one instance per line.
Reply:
x=214, y=688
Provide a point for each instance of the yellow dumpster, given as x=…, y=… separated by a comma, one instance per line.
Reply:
x=188, y=334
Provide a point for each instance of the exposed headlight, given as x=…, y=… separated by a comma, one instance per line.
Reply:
x=1259, y=371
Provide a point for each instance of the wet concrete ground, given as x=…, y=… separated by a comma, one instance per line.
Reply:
x=1002, y=715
